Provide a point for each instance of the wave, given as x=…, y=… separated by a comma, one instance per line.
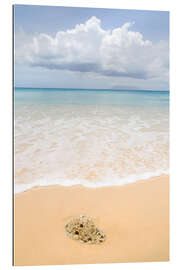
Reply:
x=19, y=188
x=89, y=145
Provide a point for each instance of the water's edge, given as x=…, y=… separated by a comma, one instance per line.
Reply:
x=20, y=188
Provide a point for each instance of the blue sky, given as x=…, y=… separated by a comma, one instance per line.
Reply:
x=114, y=49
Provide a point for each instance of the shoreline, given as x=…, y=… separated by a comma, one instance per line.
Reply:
x=135, y=218
x=93, y=185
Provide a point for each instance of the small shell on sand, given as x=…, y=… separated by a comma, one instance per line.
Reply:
x=83, y=229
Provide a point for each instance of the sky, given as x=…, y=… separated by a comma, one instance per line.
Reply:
x=67, y=47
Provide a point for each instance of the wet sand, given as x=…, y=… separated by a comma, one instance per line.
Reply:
x=135, y=218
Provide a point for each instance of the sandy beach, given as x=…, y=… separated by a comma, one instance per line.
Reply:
x=135, y=218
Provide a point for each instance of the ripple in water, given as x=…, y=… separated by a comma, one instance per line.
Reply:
x=90, y=145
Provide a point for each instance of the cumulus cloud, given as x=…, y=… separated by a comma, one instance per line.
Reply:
x=87, y=48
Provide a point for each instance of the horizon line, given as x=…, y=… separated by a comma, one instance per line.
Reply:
x=94, y=89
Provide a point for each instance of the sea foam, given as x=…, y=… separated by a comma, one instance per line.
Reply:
x=18, y=188
x=89, y=145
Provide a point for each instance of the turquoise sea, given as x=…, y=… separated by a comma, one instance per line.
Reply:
x=89, y=137
x=91, y=97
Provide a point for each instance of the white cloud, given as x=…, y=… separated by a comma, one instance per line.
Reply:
x=88, y=48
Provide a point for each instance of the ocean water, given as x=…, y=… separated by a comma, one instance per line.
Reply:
x=90, y=137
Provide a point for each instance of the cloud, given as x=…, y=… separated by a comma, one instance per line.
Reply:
x=87, y=48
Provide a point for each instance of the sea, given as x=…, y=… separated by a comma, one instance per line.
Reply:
x=93, y=138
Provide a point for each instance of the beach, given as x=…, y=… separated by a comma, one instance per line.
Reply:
x=100, y=153
x=134, y=217
x=90, y=136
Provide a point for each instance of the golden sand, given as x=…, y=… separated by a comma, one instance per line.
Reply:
x=134, y=217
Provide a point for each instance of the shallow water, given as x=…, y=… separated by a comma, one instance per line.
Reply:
x=94, y=138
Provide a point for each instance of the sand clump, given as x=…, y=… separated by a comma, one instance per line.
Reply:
x=83, y=229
